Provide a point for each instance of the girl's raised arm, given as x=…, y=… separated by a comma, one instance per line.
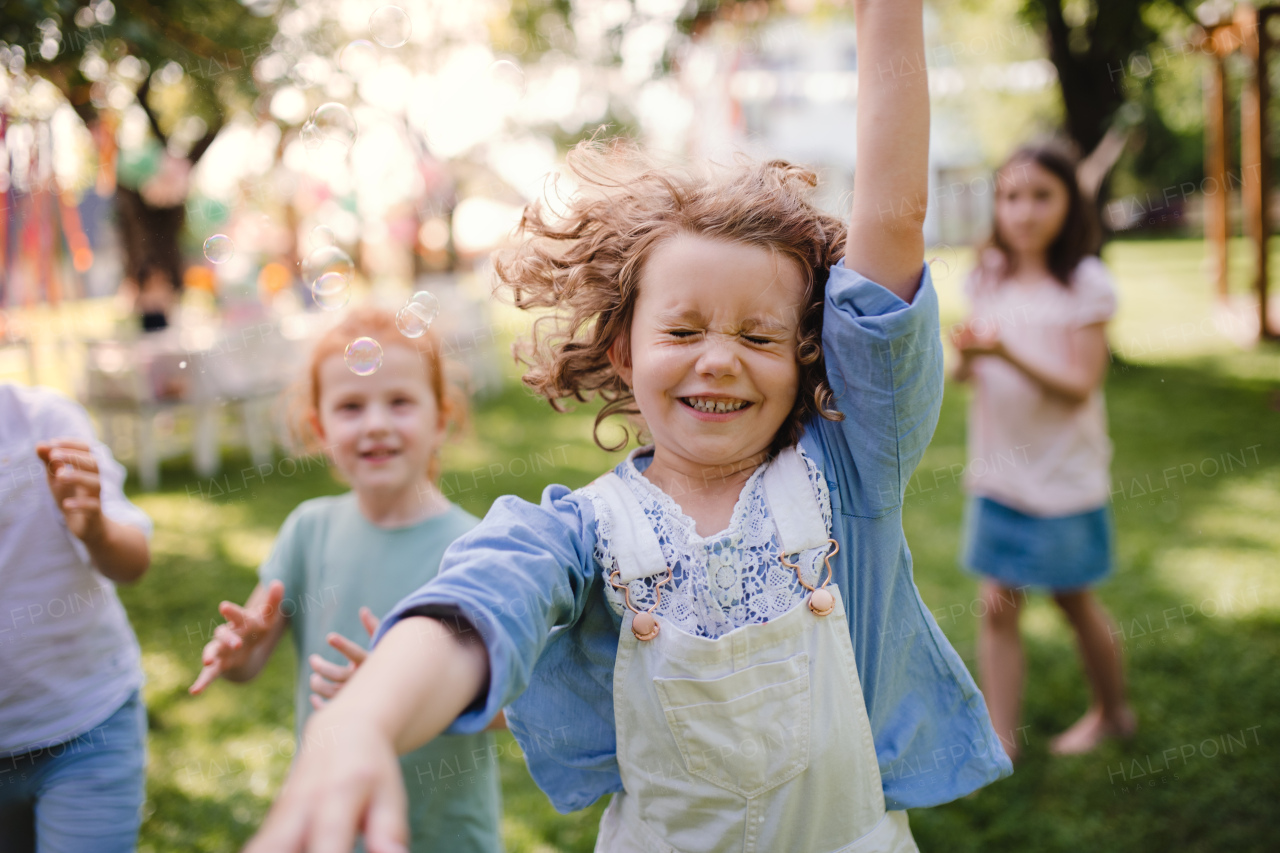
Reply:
x=886, y=228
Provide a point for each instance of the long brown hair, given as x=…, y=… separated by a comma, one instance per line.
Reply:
x=1080, y=235
x=585, y=263
x=379, y=324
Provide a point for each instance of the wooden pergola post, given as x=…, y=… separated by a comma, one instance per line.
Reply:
x=1217, y=223
x=1246, y=32
x=1254, y=164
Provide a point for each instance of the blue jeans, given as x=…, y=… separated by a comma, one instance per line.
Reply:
x=82, y=796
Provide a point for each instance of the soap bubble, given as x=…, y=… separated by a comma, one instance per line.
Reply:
x=219, y=249
x=331, y=291
x=943, y=263
x=363, y=356
x=310, y=70
x=425, y=305
x=358, y=58
x=505, y=74
x=410, y=324
x=330, y=125
x=390, y=26
x=322, y=236
x=327, y=259
x=310, y=135
x=418, y=314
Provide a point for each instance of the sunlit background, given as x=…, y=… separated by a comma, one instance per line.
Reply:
x=408, y=136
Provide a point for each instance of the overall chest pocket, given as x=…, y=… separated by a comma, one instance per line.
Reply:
x=747, y=732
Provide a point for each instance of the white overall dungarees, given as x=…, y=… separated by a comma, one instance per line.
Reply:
x=757, y=740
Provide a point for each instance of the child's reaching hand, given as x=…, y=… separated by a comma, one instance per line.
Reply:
x=73, y=479
x=346, y=778
x=345, y=782
x=119, y=551
x=969, y=341
x=241, y=645
x=328, y=678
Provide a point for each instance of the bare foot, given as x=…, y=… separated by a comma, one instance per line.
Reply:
x=1092, y=729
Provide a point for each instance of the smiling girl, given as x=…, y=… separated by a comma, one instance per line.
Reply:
x=1035, y=350
x=340, y=562
x=714, y=631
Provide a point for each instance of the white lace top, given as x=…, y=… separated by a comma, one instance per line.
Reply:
x=721, y=582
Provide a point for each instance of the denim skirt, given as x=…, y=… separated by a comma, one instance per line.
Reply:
x=1014, y=549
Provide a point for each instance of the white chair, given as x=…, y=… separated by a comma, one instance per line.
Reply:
x=137, y=382
x=204, y=372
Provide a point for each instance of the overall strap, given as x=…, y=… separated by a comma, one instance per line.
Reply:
x=792, y=505
x=635, y=546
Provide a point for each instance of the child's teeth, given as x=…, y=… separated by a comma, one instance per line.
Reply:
x=715, y=406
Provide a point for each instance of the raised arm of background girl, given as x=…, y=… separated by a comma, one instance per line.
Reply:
x=886, y=227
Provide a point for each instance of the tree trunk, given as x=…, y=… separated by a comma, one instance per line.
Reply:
x=149, y=235
x=1092, y=80
x=1087, y=106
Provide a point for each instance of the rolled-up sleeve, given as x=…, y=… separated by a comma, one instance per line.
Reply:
x=525, y=569
x=932, y=733
x=884, y=363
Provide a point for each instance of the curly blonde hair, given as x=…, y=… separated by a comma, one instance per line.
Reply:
x=586, y=262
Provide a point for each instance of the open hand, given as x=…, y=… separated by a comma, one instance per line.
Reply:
x=345, y=780
x=234, y=641
x=73, y=477
x=328, y=678
x=970, y=341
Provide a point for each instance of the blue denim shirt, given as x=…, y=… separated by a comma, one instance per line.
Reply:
x=526, y=579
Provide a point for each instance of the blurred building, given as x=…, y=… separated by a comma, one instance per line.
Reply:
x=788, y=88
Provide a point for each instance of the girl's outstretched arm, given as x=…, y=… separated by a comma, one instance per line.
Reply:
x=347, y=778
x=891, y=187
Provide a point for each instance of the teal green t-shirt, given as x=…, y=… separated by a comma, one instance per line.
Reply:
x=332, y=562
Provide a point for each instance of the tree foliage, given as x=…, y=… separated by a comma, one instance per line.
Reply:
x=1128, y=62
x=203, y=48
x=214, y=42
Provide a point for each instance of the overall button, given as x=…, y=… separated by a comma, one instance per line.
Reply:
x=821, y=602
x=644, y=626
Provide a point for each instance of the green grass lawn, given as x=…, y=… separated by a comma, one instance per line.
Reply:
x=1196, y=595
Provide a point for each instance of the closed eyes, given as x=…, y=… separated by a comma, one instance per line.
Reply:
x=686, y=334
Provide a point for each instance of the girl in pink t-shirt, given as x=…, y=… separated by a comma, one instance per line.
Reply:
x=1035, y=349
